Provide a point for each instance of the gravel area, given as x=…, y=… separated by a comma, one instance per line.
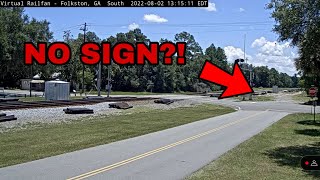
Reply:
x=52, y=115
x=178, y=103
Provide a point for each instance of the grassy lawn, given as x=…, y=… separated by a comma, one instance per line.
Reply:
x=123, y=93
x=30, y=99
x=263, y=98
x=44, y=140
x=261, y=89
x=273, y=154
x=301, y=97
x=137, y=93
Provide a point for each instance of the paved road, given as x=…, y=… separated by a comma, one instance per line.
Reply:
x=169, y=154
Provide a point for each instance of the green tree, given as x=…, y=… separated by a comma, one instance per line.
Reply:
x=299, y=22
x=273, y=77
x=217, y=56
x=295, y=81
x=285, y=80
x=261, y=76
x=88, y=78
x=193, y=52
x=17, y=28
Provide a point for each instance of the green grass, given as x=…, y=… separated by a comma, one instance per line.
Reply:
x=263, y=98
x=44, y=140
x=262, y=89
x=123, y=93
x=273, y=154
x=137, y=93
x=303, y=97
x=30, y=99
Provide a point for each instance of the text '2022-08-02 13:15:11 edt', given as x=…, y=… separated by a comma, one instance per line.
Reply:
x=109, y=3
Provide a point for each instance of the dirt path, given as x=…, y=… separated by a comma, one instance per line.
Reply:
x=285, y=97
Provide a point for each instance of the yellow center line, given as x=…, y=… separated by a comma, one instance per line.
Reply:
x=149, y=153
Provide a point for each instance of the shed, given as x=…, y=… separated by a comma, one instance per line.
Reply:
x=25, y=84
x=36, y=84
x=57, y=90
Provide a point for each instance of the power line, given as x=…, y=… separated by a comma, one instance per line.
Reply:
x=182, y=25
x=195, y=24
x=258, y=23
x=198, y=25
x=172, y=33
x=194, y=32
x=239, y=30
x=68, y=28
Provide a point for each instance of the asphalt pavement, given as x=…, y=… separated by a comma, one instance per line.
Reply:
x=170, y=154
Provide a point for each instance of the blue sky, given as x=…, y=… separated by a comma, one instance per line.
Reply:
x=224, y=23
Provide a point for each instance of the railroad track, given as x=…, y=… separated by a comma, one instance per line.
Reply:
x=14, y=104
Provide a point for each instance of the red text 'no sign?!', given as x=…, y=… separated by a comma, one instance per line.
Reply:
x=91, y=53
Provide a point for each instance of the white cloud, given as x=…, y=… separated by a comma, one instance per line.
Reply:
x=133, y=26
x=241, y=10
x=268, y=53
x=270, y=48
x=211, y=7
x=234, y=53
x=275, y=55
x=154, y=18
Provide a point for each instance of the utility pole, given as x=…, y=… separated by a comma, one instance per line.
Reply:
x=99, y=79
x=244, y=58
x=249, y=67
x=251, y=74
x=84, y=29
x=109, y=69
x=30, y=84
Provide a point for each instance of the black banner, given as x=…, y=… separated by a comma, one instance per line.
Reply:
x=106, y=3
x=311, y=163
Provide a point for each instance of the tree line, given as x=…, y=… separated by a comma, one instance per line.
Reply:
x=19, y=28
x=265, y=77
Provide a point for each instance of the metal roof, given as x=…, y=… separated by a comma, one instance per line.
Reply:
x=37, y=81
x=57, y=81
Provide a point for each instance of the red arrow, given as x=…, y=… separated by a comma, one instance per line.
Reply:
x=235, y=83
